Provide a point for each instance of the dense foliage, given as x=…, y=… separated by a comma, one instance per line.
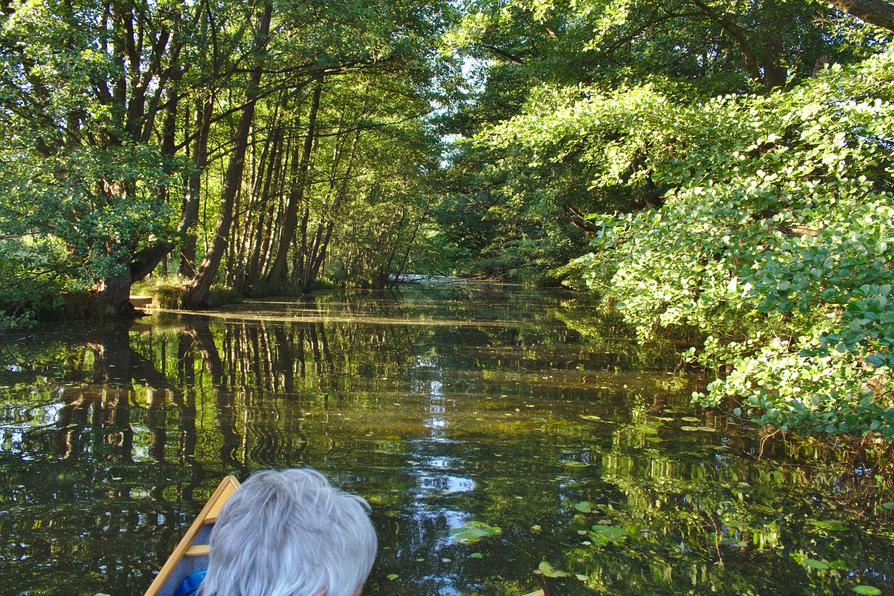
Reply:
x=244, y=144
x=730, y=165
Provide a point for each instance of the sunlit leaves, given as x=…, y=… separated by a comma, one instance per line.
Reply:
x=832, y=525
x=785, y=270
x=473, y=531
x=548, y=570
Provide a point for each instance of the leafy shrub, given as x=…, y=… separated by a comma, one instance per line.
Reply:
x=774, y=239
x=31, y=281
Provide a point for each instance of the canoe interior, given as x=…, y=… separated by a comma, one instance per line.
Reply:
x=187, y=564
x=191, y=554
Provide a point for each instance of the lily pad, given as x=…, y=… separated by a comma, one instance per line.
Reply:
x=602, y=534
x=476, y=556
x=584, y=506
x=474, y=531
x=549, y=571
x=700, y=429
x=867, y=590
x=816, y=564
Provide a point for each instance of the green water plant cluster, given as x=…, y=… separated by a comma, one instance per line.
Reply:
x=772, y=234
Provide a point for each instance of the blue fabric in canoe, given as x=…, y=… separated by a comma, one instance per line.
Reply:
x=191, y=583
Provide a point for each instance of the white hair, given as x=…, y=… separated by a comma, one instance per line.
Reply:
x=290, y=533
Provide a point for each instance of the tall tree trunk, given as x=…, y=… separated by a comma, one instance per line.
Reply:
x=198, y=289
x=115, y=294
x=255, y=256
x=317, y=253
x=191, y=201
x=277, y=274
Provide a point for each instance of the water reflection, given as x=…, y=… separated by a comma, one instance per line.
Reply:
x=112, y=437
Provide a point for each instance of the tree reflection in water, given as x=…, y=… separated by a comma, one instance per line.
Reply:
x=499, y=405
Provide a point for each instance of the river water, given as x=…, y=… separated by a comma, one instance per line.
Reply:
x=441, y=405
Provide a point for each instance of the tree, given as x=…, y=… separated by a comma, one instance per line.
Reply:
x=877, y=12
x=198, y=289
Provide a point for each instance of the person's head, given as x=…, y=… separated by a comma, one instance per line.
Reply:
x=290, y=533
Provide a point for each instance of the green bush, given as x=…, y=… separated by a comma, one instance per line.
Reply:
x=775, y=237
x=31, y=281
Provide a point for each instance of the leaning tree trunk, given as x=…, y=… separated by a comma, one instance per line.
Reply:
x=877, y=12
x=198, y=289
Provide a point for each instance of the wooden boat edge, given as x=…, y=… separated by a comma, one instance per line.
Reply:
x=186, y=541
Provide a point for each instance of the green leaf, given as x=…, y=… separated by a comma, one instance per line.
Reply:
x=549, y=571
x=476, y=556
x=867, y=590
x=700, y=429
x=816, y=564
x=584, y=506
x=392, y=576
x=833, y=525
x=474, y=531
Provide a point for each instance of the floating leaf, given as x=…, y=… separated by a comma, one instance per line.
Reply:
x=536, y=528
x=603, y=534
x=816, y=564
x=837, y=564
x=549, y=571
x=392, y=576
x=574, y=464
x=700, y=429
x=690, y=419
x=591, y=417
x=867, y=590
x=474, y=531
x=476, y=556
x=584, y=506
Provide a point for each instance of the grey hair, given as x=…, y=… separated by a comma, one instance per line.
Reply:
x=290, y=533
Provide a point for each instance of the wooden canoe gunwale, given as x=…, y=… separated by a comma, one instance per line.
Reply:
x=208, y=515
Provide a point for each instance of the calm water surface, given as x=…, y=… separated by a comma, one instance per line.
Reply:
x=441, y=406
